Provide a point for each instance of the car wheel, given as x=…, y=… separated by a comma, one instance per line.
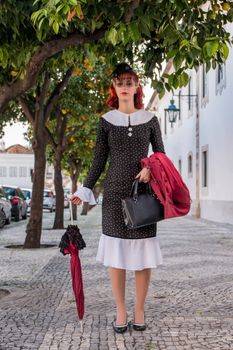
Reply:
x=24, y=217
x=2, y=219
x=8, y=220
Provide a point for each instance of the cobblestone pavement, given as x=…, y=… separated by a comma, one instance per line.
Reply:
x=189, y=306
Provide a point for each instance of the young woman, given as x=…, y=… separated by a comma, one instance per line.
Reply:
x=124, y=134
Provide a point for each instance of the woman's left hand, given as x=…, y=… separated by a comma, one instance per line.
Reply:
x=144, y=175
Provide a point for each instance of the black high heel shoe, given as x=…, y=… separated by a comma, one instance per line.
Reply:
x=140, y=327
x=120, y=328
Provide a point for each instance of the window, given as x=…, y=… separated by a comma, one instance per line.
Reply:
x=180, y=166
x=189, y=94
x=2, y=171
x=204, y=82
x=205, y=169
x=13, y=171
x=220, y=78
x=204, y=87
x=2, y=193
x=22, y=171
x=220, y=75
x=190, y=165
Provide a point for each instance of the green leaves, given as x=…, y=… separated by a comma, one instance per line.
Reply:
x=178, y=61
x=4, y=56
x=55, y=27
x=210, y=48
x=225, y=50
x=112, y=36
x=156, y=32
x=134, y=31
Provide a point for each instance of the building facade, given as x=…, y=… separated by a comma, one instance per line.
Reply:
x=200, y=142
x=17, y=166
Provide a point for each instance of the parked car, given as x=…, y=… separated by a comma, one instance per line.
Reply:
x=67, y=192
x=99, y=200
x=18, y=202
x=27, y=192
x=49, y=200
x=2, y=217
x=5, y=208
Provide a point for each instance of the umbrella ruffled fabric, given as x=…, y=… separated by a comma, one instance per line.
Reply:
x=71, y=242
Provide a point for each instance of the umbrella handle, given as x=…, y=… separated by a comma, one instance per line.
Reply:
x=71, y=213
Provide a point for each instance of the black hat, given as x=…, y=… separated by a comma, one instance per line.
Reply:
x=120, y=69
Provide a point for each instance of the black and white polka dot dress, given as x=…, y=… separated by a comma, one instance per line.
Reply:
x=125, y=139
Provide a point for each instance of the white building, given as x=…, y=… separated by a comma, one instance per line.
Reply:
x=200, y=142
x=17, y=166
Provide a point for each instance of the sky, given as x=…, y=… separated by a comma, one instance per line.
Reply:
x=14, y=133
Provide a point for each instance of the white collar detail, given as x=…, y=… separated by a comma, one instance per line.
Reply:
x=118, y=118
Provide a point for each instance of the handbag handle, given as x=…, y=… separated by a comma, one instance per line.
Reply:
x=134, y=189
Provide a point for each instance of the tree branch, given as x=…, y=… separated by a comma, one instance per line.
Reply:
x=26, y=110
x=56, y=93
x=45, y=51
x=44, y=90
x=51, y=139
x=62, y=123
x=49, y=49
x=129, y=13
x=67, y=136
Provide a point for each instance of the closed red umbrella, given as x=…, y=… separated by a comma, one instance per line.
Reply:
x=71, y=243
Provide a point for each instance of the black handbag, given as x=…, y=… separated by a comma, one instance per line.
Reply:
x=141, y=209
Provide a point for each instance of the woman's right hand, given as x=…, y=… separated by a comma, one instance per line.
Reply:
x=75, y=200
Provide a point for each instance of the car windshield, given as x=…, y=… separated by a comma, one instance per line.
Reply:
x=66, y=192
x=9, y=191
x=26, y=193
x=48, y=194
x=2, y=193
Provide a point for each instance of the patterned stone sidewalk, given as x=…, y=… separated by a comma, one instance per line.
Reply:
x=189, y=306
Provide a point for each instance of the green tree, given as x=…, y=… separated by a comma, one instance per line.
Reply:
x=41, y=37
x=189, y=32
x=73, y=122
x=37, y=106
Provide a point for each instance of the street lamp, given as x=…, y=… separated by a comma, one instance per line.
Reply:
x=172, y=112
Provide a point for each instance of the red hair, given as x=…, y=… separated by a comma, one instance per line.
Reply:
x=113, y=102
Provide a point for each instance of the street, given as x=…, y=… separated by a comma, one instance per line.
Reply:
x=189, y=305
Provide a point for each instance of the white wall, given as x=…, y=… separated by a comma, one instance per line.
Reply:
x=216, y=126
x=180, y=139
x=8, y=160
x=215, y=134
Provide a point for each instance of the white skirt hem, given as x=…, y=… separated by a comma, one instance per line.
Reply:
x=129, y=254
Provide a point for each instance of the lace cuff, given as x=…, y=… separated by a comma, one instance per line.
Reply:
x=86, y=195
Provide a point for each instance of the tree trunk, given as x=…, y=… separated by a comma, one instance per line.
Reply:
x=75, y=168
x=59, y=214
x=85, y=208
x=34, y=226
x=74, y=189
